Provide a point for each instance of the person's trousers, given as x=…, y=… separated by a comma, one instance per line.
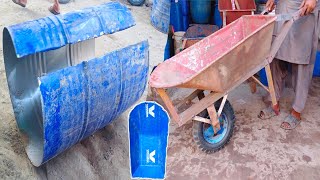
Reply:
x=301, y=78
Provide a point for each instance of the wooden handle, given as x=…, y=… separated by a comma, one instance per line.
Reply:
x=237, y=4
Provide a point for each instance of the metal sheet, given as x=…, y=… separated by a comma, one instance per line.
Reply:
x=148, y=135
x=39, y=59
x=219, y=61
x=56, y=31
x=22, y=77
x=78, y=100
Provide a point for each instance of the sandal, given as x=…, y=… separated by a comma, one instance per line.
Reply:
x=292, y=121
x=19, y=3
x=268, y=113
x=53, y=11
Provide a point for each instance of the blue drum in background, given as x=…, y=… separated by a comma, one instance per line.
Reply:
x=185, y=23
x=184, y=7
x=160, y=15
x=185, y=14
x=263, y=77
x=216, y=15
x=200, y=11
x=316, y=70
x=176, y=16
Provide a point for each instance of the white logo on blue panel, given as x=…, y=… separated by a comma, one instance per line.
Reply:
x=150, y=111
x=150, y=156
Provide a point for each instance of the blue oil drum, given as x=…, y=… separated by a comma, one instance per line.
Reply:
x=60, y=91
x=186, y=22
x=160, y=15
x=316, y=70
x=216, y=15
x=263, y=77
x=200, y=11
x=185, y=14
x=184, y=7
x=176, y=16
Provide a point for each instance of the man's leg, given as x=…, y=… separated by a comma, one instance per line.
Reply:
x=55, y=8
x=301, y=79
x=279, y=70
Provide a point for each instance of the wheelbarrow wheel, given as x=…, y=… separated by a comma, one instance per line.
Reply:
x=203, y=133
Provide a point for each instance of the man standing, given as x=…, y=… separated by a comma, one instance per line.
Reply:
x=298, y=51
x=54, y=9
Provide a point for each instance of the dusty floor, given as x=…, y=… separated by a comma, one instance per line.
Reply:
x=258, y=149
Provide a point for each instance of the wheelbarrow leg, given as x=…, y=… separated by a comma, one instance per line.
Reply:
x=167, y=101
x=224, y=100
x=212, y=114
x=257, y=81
x=270, y=84
x=252, y=84
x=214, y=118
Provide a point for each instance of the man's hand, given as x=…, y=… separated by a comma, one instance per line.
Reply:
x=270, y=5
x=307, y=6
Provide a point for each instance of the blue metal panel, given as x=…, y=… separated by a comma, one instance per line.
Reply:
x=81, y=99
x=148, y=132
x=56, y=31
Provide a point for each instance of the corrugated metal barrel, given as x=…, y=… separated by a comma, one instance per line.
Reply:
x=160, y=15
x=60, y=92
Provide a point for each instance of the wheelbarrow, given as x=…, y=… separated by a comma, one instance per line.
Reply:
x=215, y=66
x=60, y=92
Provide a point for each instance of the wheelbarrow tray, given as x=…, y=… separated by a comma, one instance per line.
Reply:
x=218, y=62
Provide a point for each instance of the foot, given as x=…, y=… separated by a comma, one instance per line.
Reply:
x=20, y=2
x=269, y=112
x=54, y=9
x=291, y=121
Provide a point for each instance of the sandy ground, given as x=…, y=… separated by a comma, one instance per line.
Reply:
x=258, y=149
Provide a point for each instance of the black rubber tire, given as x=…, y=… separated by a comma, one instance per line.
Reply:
x=136, y=2
x=198, y=129
x=64, y=1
